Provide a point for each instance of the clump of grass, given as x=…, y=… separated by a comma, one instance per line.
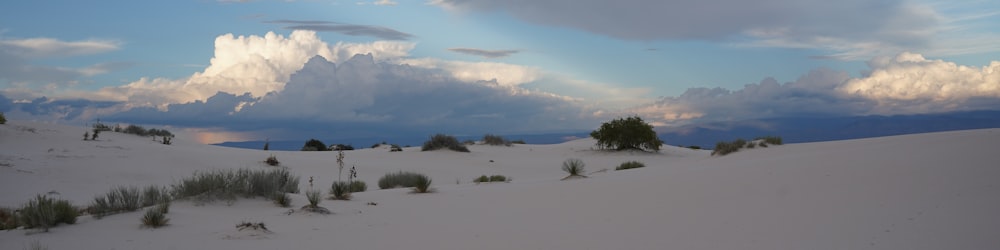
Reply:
x=495, y=140
x=491, y=178
x=44, y=212
x=398, y=180
x=422, y=184
x=230, y=184
x=154, y=218
x=574, y=167
x=724, y=148
x=272, y=161
x=163, y=207
x=341, y=190
x=630, y=165
x=36, y=245
x=395, y=148
x=440, y=141
x=357, y=186
x=126, y=199
x=282, y=199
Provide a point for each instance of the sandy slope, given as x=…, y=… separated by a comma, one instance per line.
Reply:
x=929, y=191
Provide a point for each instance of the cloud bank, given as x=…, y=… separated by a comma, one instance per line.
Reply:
x=346, y=29
x=851, y=29
x=905, y=84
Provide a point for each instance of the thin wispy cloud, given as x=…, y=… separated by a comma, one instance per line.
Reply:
x=379, y=32
x=484, y=52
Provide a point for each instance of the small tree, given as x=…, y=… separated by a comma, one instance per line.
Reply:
x=314, y=145
x=627, y=133
x=93, y=137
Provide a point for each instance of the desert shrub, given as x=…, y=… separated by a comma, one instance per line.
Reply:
x=314, y=145
x=153, y=195
x=272, y=161
x=724, y=148
x=3, y=119
x=498, y=178
x=573, y=166
x=8, y=220
x=481, y=179
x=694, y=147
x=751, y=145
x=630, y=165
x=397, y=180
x=773, y=140
x=440, y=141
x=627, y=133
x=119, y=199
x=246, y=225
x=281, y=199
x=154, y=218
x=762, y=144
x=341, y=190
x=517, y=142
x=341, y=147
x=395, y=148
x=44, y=212
x=422, y=184
x=495, y=140
x=357, y=186
x=36, y=245
x=314, y=198
x=228, y=184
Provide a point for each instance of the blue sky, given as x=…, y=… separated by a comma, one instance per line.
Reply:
x=502, y=66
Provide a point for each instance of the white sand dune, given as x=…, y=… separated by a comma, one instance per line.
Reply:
x=926, y=191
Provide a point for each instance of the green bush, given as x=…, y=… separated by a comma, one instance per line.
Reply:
x=481, y=179
x=398, y=180
x=694, y=147
x=358, y=186
x=517, y=142
x=314, y=145
x=395, y=148
x=573, y=166
x=630, y=165
x=228, y=184
x=154, y=218
x=422, y=184
x=627, y=133
x=341, y=190
x=440, y=141
x=8, y=220
x=44, y=213
x=498, y=178
x=3, y=119
x=495, y=140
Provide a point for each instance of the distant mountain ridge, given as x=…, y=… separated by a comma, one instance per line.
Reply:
x=790, y=129
x=813, y=129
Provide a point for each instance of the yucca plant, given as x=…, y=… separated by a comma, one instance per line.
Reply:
x=314, y=198
x=574, y=167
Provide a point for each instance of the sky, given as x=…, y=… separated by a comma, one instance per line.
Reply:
x=248, y=70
